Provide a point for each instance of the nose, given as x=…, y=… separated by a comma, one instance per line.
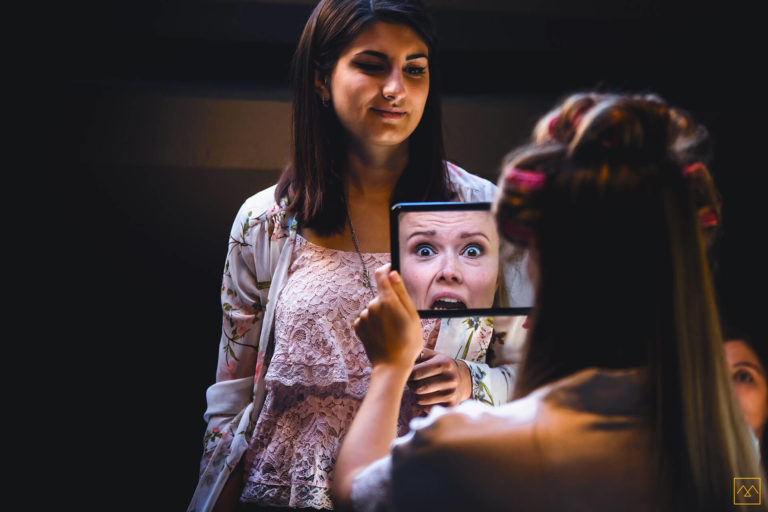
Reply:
x=393, y=88
x=450, y=273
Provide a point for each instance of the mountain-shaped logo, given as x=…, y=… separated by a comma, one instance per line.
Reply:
x=746, y=491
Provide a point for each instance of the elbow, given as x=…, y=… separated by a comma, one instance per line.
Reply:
x=341, y=491
x=347, y=468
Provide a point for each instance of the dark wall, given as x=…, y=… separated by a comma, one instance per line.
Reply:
x=132, y=255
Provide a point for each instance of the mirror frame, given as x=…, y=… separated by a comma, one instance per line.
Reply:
x=394, y=243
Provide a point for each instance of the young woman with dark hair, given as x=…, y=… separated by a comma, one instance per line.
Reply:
x=316, y=180
x=623, y=398
x=366, y=134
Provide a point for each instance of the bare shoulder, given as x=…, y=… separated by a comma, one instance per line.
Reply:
x=486, y=455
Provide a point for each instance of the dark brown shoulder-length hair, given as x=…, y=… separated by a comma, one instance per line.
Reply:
x=607, y=195
x=313, y=181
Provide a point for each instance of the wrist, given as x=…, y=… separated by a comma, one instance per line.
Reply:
x=465, y=379
x=391, y=371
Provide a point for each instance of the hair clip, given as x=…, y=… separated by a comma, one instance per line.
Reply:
x=694, y=168
x=522, y=180
x=707, y=217
x=551, y=125
x=572, y=124
x=516, y=233
x=580, y=113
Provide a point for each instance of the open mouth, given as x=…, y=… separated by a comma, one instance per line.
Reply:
x=447, y=303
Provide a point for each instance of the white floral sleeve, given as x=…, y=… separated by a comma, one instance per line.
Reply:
x=493, y=381
x=242, y=299
x=491, y=348
x=250, y=269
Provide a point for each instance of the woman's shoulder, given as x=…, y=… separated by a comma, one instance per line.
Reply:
x=259, y=203
x=263, y=213
x=469, y=187
x=471, y=423
x=526, y=448
x=490, y=450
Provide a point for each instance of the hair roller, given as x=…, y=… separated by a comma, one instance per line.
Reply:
x=705, y=195
x=516, y=209
x=561, y=124
x=632, y=130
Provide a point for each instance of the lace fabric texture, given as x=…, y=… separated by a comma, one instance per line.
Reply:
x=317, y=377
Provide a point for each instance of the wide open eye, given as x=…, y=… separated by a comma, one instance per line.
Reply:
x=472, y=251
x=425, y=251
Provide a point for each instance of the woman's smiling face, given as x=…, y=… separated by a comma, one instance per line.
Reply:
x=379, y=85
x=449, y=259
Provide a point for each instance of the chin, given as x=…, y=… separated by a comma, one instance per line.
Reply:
x=389, y=141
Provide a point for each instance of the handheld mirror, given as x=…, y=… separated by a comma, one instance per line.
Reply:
x=451, y=261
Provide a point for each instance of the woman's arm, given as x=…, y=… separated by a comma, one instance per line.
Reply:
x=439, y=379
x=241, y=302
x=390, y=330
x=244, y=291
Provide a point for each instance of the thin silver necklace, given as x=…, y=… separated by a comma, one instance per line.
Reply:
x=366, y=276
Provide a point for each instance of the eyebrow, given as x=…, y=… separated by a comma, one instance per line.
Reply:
x=424, y=233
x=384, y=56
x=476, y=233
x=749, y=365
x=433, y=233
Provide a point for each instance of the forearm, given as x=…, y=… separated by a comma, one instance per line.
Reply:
x=391, y=333
x=372, y=431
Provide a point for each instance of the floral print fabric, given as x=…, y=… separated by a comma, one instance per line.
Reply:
x=256, y=270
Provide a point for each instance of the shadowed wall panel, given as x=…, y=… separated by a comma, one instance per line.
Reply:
x=182, y=131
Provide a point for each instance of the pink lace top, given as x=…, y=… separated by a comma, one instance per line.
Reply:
x=317, y=377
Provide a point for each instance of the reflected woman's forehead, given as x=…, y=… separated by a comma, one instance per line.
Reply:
x=479, y=221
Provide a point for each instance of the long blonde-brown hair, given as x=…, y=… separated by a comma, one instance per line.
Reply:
x=619, y=208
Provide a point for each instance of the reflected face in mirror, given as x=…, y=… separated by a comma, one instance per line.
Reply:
x=449, y=259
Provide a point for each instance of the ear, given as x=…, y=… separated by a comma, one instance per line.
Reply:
x=321, y=87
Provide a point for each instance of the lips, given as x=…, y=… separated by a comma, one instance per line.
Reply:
x=448, y=301
x=389, y=114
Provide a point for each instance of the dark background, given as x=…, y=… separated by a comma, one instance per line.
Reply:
x=119, y=264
